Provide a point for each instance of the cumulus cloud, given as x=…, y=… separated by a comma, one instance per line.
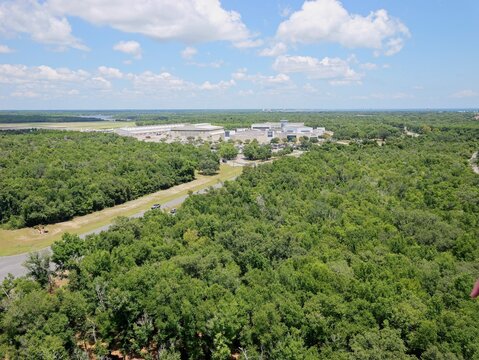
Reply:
x=222, y=85
x=190, y=21
x=36, y=20
x=129, y=47
x=274, y=50
x=4, y=49
x=22, y=74
x=328, y=21
x=110, y=72
x=336, y=70
x=44, y=82
x=47, y=82
x=264, y=80
x=188, y=52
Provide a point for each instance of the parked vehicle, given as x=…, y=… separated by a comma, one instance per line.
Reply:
x=156, y=206
x=173, y=211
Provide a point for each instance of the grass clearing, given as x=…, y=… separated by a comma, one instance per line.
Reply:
x=24, y=240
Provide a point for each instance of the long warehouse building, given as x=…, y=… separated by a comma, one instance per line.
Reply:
x=204, y=131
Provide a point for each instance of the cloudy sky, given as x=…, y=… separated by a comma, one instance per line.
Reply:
x=196, y=54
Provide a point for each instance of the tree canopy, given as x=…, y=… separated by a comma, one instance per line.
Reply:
x=51, y=176
x=347, y=252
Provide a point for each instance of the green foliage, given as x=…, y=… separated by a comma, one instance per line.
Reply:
x=38, y=267
x=16, y=117
x=255, y=151
x=51, y=176
x=208, y=163
x=227, y=151
x=348, y=252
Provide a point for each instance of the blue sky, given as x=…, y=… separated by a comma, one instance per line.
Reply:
x=199, y=54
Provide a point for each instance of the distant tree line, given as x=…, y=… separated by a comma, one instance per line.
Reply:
x=39, y=118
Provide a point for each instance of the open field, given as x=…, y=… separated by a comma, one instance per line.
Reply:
x=94, y=125
x=29, y=239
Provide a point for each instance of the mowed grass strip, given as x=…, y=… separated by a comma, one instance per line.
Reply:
x=24, y=240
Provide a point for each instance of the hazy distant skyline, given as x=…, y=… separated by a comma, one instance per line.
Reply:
x=186, y=54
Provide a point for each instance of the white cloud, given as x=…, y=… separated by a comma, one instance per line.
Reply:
x=222, y=85
x=44, y=82
x=36, y=19
x=394, y=46
x=336, y=70
x=214, y=64
x=275, y=50
x=465, y=94
x=264, y=80
x=249, y=43
x=150, y=81
x=190, y=21
x=100, y=82
x=328, y=21
x=188, y=52
x=4, y=49
x=47, y=82
x=22, y=74
x=110, y=72
x=129, y=47
x=240, y=74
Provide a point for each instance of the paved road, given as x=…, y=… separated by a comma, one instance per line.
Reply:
x=13, y=264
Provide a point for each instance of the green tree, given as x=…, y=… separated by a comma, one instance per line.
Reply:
x=38, y=267
x=227, y=151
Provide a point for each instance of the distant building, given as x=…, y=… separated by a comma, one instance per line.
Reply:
x=262, y=132
x=285, y=129
x=262, y=136
x=203, y=131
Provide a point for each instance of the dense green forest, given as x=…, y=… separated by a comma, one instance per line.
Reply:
x=51, y=176
x=348, y=252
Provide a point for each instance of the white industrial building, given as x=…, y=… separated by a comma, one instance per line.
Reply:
x=174, y=132
x=264, y=132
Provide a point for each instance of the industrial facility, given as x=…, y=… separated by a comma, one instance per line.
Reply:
x=175, y=132
x=262, y=132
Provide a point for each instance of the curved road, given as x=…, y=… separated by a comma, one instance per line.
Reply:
x=13, y=264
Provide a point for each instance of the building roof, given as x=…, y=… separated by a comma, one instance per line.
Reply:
x=170, y=127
